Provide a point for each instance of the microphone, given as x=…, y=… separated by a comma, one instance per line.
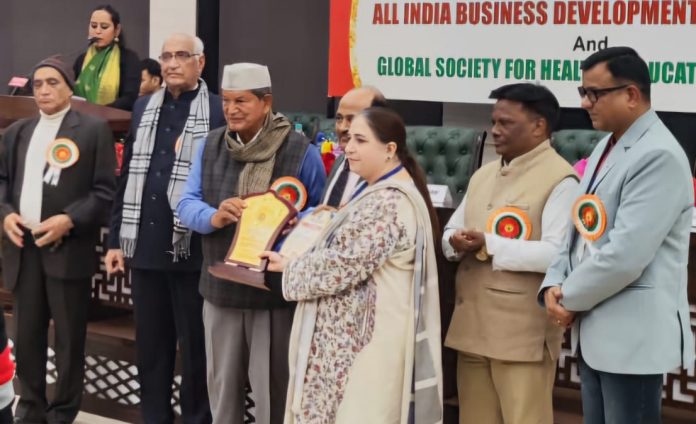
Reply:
x=17, y=83
x=20, y=85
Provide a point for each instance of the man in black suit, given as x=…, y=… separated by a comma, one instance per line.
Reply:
x=341, y=182
x=56, y=184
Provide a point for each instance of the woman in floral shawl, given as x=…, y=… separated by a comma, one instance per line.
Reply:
x=365, y=343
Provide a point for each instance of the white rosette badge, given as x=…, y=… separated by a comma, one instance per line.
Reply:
x=62, y=153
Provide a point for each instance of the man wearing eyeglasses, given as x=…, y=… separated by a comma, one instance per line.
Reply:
x=620, y=281
x=163, y=255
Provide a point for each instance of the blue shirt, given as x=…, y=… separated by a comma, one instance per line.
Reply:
x=196, y=214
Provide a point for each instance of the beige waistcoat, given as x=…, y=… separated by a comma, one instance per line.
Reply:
x=496, y=312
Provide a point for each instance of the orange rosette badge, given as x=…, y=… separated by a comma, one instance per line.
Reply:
x=590, y=217
x=61, y=153
x=292, y=190
x=509, y=222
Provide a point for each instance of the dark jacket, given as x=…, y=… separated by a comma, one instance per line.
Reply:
x=220, y=173
x=129, y=86
x=156, y=219
x=84, y=193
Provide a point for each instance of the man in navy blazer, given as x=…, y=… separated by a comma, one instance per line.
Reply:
x=164, y=273
x=620, y=281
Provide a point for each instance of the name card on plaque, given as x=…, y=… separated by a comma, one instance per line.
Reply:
x=306, y=233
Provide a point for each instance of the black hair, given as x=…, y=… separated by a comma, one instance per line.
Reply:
x=535, y=98
x=152, y=67
x=388, y=126
x=624, y=64
x=115, y=19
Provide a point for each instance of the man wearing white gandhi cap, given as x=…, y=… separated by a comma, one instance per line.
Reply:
x=246, y=329
x=246, y=76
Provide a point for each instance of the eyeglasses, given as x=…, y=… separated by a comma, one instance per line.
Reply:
x=593, y=94
x=180, y=56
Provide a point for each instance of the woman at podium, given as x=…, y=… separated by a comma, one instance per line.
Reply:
x=365, y=341
x=107, y=73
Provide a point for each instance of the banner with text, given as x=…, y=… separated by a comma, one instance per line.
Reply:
x=459, y=51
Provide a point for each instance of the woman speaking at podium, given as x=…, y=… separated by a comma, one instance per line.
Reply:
x=107, y=73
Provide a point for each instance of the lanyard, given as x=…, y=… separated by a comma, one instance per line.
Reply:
x=363, y=186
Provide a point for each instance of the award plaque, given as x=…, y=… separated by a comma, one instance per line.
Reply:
x=259, y=227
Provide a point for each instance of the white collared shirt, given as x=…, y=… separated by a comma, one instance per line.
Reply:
x=351, y=184
x=253, y=139
x=523, y=255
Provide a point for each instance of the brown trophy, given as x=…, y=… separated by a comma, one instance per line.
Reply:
x=258, y=229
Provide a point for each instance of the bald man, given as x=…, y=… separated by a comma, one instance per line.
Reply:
x=341, y=181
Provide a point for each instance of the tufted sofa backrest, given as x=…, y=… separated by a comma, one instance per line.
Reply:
x=310, y=121
x=574, y=145
x=327, y=126
x=448, y=155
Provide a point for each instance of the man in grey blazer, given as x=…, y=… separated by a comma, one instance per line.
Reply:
x=620, y=281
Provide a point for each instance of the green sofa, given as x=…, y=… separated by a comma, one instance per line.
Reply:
x=310, y=121
x=574, y=145
x=448, y=155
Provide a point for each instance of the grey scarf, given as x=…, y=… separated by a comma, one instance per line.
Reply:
x=197, y=126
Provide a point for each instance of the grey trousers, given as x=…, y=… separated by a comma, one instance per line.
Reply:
x=247, y=345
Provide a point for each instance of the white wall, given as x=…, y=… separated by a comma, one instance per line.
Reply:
x=168, y=17
x=471, y=115
x=467, y=115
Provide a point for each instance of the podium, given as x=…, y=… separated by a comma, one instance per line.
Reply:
x=13, y=108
